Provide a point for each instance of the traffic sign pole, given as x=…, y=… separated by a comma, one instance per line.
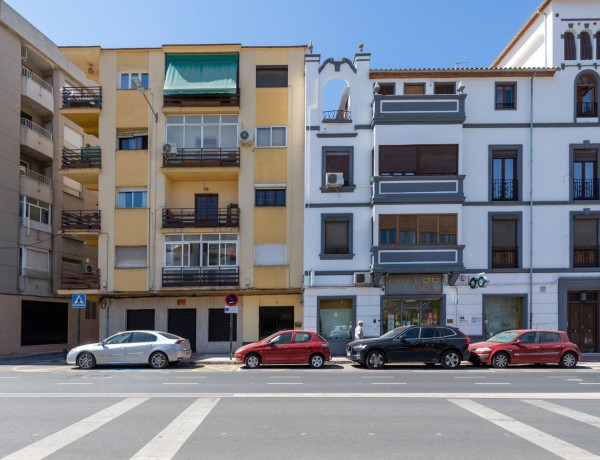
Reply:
x=78, y=326
x=230, y=336
x=231, y=300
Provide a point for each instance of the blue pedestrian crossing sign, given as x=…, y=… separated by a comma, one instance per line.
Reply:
x=78, y=300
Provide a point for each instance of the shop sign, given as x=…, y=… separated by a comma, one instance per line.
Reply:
x=414, y=284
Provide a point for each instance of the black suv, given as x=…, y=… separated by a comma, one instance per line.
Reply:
x=424, y=344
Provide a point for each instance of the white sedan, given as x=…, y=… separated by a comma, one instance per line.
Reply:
x=159, y=349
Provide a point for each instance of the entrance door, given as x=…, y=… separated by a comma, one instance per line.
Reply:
x=207, y=210
x=182, y=322
x=273, y=319
x=582, y=321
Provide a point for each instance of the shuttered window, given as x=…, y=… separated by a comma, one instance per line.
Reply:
x=569, y=43
x=271, y=76
x=428, y=229
x=418, y=160
x=338, y=162
x=438, y=159
x=336, y=237
x=585, y=46
x=398, y=160
x=414, y=88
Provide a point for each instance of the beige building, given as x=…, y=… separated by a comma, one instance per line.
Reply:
x=200, y=188
x=35, y=259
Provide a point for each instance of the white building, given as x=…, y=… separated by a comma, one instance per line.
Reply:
x=449, y=173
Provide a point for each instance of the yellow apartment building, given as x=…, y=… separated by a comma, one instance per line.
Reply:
x=200, y=187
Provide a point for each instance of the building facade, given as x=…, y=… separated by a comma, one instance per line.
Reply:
x=35, y=259
x=423, y=183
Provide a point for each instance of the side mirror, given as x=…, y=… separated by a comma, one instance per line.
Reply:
x=518, y=342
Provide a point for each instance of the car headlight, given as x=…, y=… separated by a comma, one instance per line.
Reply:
x=359, y=347
x=482, y=350
x=237, y=351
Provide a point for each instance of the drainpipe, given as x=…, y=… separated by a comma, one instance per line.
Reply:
x=531, y=203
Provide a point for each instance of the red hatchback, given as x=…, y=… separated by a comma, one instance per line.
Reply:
x=286, y=347
x=526, y=346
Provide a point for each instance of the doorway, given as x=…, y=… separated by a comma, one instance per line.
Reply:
x=182, y=322
x=582, y=320
x=273, y=319
x=207, y=209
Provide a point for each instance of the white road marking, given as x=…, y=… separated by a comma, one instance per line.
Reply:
x=285, y=383
x=377, y=377
x=54, y=442
x=492, y=383
x=283, y=377
x=456, y=377
x=166, y=443
x=588, y=383
x=74, y=383
x=194, y=377
x=180, y=383
x=547, y=442
x=565, y=411
x=388, y=383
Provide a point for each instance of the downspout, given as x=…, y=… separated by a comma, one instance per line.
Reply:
x=531, y=202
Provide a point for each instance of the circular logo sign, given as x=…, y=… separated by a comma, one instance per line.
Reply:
x=231, y=299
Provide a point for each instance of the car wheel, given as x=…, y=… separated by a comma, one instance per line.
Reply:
x=252, y=361
x=500, y=360
x=375, y=360
x=86, y=360
x=450, y=360
x=316, y=361
x=158, y=360
x=568, y=360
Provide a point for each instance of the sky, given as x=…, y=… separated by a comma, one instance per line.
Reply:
x=399, y=34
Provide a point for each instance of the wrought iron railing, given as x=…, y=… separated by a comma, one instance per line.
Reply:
x=337, y=115
x=37, y=128
x=82, y=96
x=74, y=280
x=209, y=157
x=587, y=109
x=585, y=256
x=202, y=100
x=80, y=220
x=25, y=72
x=190, y=217
x=36, y=176
x=189, y=276
x=505, y=257
x=86, y=157
x=505, y=190
x=586, y=189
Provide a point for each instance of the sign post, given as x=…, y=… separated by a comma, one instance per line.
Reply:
x=231, y=301
x=78, y=301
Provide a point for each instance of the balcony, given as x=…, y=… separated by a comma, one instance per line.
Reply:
x=200, y=277
x=36, y=185
x=79, y=281
x=505, y=190
x=82, y=105
x=82, y=165
x=587, y=110
x=84, y=224
x=203, y=100
x=585, y=256
x=417, y=259
x=36, y=141
x=337, y=116
x=505, y=257
x=193, y=218
x=586, y=189
x=208, y=164
x=422, y=189
x=446, y=108
x=37, y=92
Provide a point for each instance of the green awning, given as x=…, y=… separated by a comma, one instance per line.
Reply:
x=201, y=73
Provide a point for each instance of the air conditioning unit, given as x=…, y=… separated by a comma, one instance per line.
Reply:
x=23, y=53
x=87, y=268
x=334, y=180
x=169, y=148
x=362, y=278
x=245, y=136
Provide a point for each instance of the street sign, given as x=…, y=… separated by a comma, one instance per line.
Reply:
x=231, y=299
x=78, y=300
x=231, y=309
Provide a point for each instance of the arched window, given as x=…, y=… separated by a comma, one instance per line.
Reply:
x=570, y=51
x=586, y=96
x=336, y=95
x=585, y=46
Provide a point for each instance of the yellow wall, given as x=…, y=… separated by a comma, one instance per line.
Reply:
x=130, y=279
x=270, y=166
x=250, y=311
x=133, y=60
x=132, y=109
x=271, y=106
x=131, y=169
x=181, y=194
x=270, y=277
x=270, y=225
x=131, y=227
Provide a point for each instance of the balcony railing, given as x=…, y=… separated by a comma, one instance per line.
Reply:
x=587, y=109
x=82, y=97
x=192, y=157
x=505, y=256
x=337, y=115
x=37, y=128
x=181, y=277
x=36, y=177
x=80, y=220
x=74, y=280
x=585, y=256
x=586, y=189
x=505, y=105
x=86, y=157
x=202, y=100
x=505, y=190
x=37, y=79
x=190, y=217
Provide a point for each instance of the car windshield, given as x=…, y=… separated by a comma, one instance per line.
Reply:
x=503, y=337
x=268, y=339
x=393, y=332
x=170, y=336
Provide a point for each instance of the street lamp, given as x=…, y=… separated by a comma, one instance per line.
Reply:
x=138, y=85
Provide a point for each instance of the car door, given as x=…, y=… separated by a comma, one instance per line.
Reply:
x=551, y=346
x=406, y=347
x=301, y=347
x=431, y=344
x=137, y=350
x=278, y=349
x=113, y=349
x=526, y=349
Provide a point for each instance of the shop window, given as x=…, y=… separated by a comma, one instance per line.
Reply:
x=335, y=319
x=418, y=160
x=410, y=312
x=502, y=314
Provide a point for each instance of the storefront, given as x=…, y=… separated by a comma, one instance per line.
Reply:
x=503, y=313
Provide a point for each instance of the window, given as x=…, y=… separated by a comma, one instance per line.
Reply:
x=130, y=257
x=132, y=198
x=302, y=337
x=506, y=96
x=35, y=213
x=271, y=76
x=502, y=314
x=269, y=254
x=201, y=250
x=585, y=46
x=335, y=318
x=269, y=197
x=585, y=242
x=409, y=312
x=444, y=88
x=585, y=174
x=569, y=44
x=126, y=81
x=387, y=89
x=203, y=131
x=336, y=238
x=339, y=160
x=429, y=333
x=272, y=136
x=504, y=175
x=282, y=339
x=91, y=309
x=418, y=160
x=218, y=325
x=504, y=243
x=549, y=337
x=34, y=263
x=132, y=140
x=414, y=88
x=119, y=338
x=428, y=229
x=586, y=96
x=598, y=45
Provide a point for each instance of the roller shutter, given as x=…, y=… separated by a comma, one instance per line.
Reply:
x=182, y=322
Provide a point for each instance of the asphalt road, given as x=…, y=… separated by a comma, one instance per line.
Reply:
x=50, y=410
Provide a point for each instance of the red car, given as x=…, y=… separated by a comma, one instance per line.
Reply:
x=286, y=347
x=526, y=346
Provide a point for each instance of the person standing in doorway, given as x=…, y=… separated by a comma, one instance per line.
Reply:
x=358, y=332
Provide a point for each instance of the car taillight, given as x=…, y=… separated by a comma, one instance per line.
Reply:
x=468, y=341
x=179, y=341
x=326, y=345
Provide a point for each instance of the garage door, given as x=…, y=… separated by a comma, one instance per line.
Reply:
x=44, y=323
x=140, y=319
x=218, y=325
x=182, y=322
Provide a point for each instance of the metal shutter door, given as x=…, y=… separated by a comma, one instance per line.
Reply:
x=140, y=319
x=182, y=322
x=44, y=323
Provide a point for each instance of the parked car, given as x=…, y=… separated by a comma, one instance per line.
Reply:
x=526, y=346
x=286, y=347
x=408, y=344
x=158, y=349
